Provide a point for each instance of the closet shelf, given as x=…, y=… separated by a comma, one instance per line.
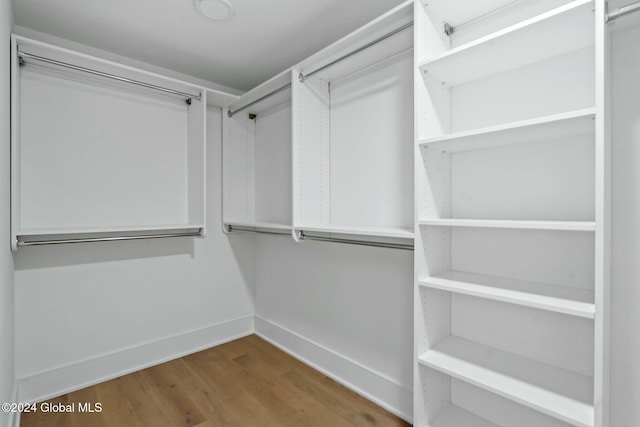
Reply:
x=554, y=127
x=537, y=39
x=391, y=232
x=259, y=99
x=258, y=225
x=561, y=299
x=556, y=392
x=107, y=230
x=454, y=416
x=517, y=224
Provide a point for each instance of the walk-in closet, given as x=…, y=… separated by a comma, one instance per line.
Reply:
x=341, y=213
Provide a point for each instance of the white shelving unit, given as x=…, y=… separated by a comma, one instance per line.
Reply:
x=352, y=122
x=130, y=166
x=512, y=216
x=257, y=159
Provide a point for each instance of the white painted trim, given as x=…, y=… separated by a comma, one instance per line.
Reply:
x=383, y=391
x=81, y=374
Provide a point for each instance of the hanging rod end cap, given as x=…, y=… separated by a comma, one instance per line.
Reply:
x=229, y=113
x=448, y=29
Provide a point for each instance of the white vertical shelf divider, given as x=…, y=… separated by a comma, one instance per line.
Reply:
x=482, y=263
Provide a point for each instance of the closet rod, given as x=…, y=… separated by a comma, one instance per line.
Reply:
x=251, y=230
x=406, y=26
x=357, y=242
x=189, y=96
x=108, y=239
x=273, y=92
x=622, y=11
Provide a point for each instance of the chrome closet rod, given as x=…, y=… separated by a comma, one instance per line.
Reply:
x=622, y=11
x=230, y=113
x=251, y=230
x=360, y=49
x=107, y=239
x=357, y=242
x=23, y=55
x=273, y=92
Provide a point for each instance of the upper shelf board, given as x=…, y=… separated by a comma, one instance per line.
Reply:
x=559, y=31
x=390, y=21
x=276, y=83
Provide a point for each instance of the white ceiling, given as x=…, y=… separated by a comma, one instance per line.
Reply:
x=263, y=38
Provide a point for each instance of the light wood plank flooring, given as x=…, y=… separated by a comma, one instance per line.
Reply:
x=247, y=382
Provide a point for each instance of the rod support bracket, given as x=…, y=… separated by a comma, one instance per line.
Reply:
x=448, y=29
x=188, y=101
x=20, y=60
x=252, y=116
x=301, y=77
x=229, y=113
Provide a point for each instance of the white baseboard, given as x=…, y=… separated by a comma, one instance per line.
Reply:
x=383, y=391
x=56, y=382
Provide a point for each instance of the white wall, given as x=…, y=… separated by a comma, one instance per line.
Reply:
x=6, y=262
x=345, y=309
x=625, y=321
x=87, y=312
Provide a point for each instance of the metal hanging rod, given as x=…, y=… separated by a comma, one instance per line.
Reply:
x=23, y=55
x=252, y=230
x=406, y=26
x=450, y=30
x=107, y=239
x=231, y=113
x=273, y=92
x=622, y=11
x=407, y=247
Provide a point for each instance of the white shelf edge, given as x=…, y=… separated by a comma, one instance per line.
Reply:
x=465, y=361
x=391, y=232
x=401, y=13
x=98, y=60
x=515, y=224
x=497, y=36
x=513, y=296
x=455, y=416
x=276, y=82
x=523, y=126
x=99, y=230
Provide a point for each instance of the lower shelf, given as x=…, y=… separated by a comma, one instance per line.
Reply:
x=388, y=232
x=556, y=392
x=454, y=416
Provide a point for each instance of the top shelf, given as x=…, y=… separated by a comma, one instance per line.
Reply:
x=355, y=43
x=278, y=86
x=542, y=37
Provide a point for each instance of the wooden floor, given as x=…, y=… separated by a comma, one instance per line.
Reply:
x=247, y=382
